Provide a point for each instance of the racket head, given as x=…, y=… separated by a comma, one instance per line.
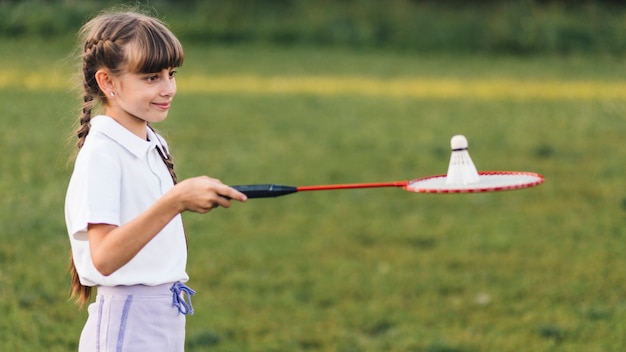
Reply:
x=490, y=181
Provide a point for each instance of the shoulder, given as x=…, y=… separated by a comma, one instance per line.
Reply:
x=99, y=154
x=108, y=138
x=98, y=145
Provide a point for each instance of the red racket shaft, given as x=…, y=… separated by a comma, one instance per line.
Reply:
x=352, y=186
x=272, y=190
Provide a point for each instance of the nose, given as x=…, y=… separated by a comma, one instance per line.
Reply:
x=168, y=87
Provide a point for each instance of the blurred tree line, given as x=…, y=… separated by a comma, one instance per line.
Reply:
x=518, y=27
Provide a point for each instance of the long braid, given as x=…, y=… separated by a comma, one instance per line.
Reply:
x=94, y=51
x=167, y=160
x=79, y=291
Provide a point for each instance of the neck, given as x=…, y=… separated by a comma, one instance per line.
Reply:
x=132, y=123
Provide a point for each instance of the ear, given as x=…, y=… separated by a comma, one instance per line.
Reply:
x=105, y=82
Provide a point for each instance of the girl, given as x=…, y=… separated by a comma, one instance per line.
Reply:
x=123, y=204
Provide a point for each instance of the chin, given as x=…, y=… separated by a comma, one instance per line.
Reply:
x=156, y=119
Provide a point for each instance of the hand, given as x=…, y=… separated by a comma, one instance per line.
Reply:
x=201, y=194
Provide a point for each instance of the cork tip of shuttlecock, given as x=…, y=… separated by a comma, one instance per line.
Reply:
x=458, y=142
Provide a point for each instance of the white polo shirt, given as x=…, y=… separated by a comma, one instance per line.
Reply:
x=116, y=177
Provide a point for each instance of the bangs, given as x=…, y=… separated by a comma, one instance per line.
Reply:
x=153, y=49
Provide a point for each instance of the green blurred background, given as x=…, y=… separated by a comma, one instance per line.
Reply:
x=316, y=92
x=519, y=27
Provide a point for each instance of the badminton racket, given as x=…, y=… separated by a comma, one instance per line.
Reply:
x=489, y=181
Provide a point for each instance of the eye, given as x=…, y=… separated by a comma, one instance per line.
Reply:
x=152, y=78
x=173, y=73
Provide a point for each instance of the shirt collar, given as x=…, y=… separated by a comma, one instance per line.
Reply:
x=111, y=128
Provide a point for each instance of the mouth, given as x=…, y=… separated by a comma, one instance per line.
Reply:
x=162, y=106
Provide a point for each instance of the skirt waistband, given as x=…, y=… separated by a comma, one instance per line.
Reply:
x=179, y=293
x=140, y=290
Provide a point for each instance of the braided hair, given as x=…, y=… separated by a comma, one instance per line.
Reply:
x=165, y=156
x=120, y=42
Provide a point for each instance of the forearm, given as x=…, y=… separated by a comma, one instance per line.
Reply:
x=112, y=247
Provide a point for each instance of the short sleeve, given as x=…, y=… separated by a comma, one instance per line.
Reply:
x=93, y=195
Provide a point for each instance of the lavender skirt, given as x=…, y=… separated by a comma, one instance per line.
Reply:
x=137, y=318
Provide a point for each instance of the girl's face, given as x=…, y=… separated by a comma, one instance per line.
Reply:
x=142, y=97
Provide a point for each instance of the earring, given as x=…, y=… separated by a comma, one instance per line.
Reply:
x=112, y=94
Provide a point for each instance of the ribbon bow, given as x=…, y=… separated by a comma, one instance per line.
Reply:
x=179, y=291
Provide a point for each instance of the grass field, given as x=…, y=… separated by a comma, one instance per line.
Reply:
x=361, y=270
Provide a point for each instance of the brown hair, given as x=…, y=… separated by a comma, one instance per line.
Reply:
x=121, y=42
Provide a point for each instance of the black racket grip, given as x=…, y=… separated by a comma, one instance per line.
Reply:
x=265, y=191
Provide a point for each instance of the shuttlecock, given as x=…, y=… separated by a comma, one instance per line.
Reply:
x=461, y=170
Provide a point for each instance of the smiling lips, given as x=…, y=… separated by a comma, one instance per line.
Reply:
x=163, y=106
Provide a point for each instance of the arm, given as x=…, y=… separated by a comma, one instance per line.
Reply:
x=112, y=246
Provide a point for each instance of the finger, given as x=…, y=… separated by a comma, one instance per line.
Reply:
x=222, y=202
x=207, y=208
x=231, y=193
